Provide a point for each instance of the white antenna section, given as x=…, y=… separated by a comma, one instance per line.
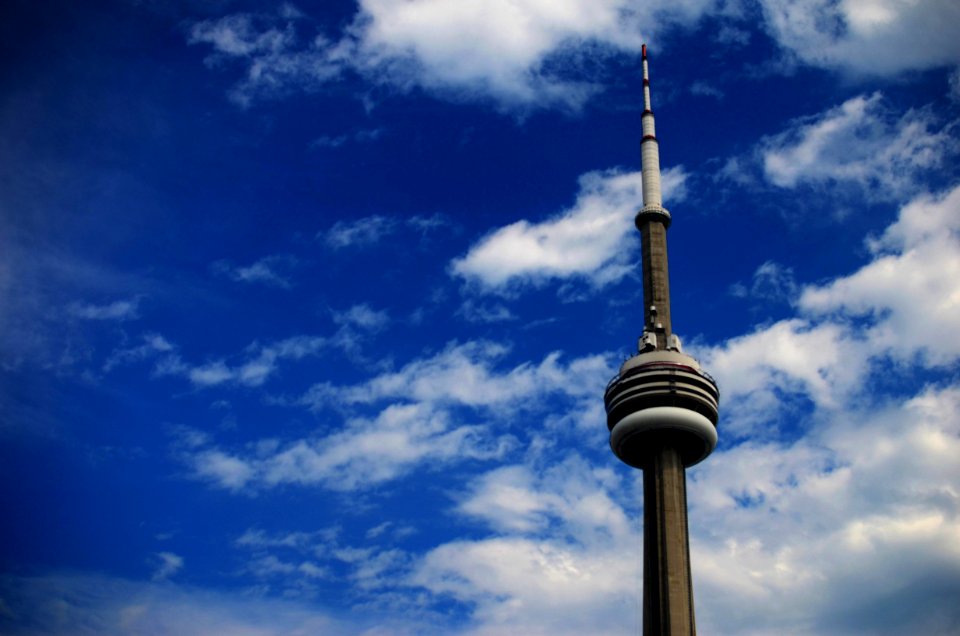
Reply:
x=649, y=150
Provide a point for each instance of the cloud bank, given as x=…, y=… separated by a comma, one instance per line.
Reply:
x=524, y=54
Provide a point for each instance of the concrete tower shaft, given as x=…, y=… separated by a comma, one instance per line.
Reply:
x=662, y=412
x=653, y=220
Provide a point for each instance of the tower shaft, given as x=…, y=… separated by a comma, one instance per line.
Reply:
x=667, y=587
x=662, y=412
x=656, y=280
x=652, y=221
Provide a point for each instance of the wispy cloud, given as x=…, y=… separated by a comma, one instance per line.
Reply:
x=169, y=564
x=370, y=230
x=586, y=241
x=358, y=233
x=58, y=604
x=277, y=59
x=860, y=142
x=473, y=310
x=360, y=136
x=366, y=453
x=363, y=317
x=771, y=282
x=50, y=298
x=705, y=89
x=255, y=538
x=269, y=271
x=259, y=364
x=153, y=344
x=419, y=423
x=295, y=561
x=116, y=310
x=466, y=375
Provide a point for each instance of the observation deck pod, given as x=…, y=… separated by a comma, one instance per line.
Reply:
x=662, y=397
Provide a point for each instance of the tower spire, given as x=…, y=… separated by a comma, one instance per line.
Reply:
x=650, y=150
x=653, y=220
x=662, y=412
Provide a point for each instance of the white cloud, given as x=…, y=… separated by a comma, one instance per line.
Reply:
x=153, y=344
x=705, y=89
x=497, y=48
x=867, y=500
x=296, y=577
x=58, y=604
x=374, y=569
x=760, y=374
x=378, y=530
x=358, y=233
x=417, y=425
x=910, y=292
x=401, y=438
x=587, y=241
x=277, y=60
x=360, y=136
x=362, y=316
x=522, y=500
x=426, y=224
x=260, y=364
x=266, y=271
x=473, y=310
x=954, y=84
x=211, y=374
x=370, y=230
x=528, y=586
x=465, y=375
x=117, y=310
x=523, y=54
x=255, y=538
x=294, y=561
x=846, y=523
x=565, y=560
x=169, y=564
x=771, y=282
x=506, y=498
x=859, y=142
x=902, y=305
x=520, y=54
x=881, y=37
x=226, y=471
x=852, y=529
x=365, y=453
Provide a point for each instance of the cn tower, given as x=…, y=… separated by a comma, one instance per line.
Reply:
x=662, y=412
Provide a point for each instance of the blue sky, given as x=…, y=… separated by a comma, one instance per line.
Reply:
x=306, y=312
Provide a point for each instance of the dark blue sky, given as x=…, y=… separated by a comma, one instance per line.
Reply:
x=306, y=312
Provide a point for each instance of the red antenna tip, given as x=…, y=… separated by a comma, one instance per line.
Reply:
x=643, y=51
